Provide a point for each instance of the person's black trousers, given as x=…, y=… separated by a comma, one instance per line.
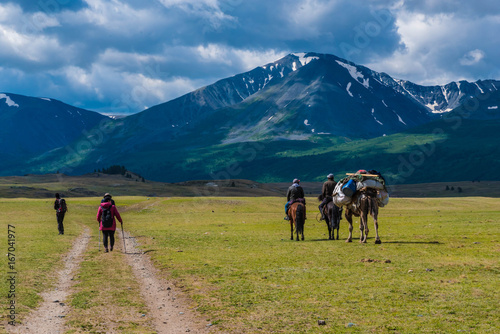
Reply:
x=60, y=226
x=111, y=235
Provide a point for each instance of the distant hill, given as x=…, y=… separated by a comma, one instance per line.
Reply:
x=31, y=126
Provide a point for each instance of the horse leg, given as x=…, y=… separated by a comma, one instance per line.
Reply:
x=327, y=221
x=363, y=227
x=375, y=223
x=291, y=229
x=331, y=217
x=348, y=217
x=336, y=216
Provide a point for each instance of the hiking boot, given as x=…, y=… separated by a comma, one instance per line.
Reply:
x=111, y=249
x=106, y=250
x=286, y=218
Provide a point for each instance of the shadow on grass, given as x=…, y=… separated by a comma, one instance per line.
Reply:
x=412, y=242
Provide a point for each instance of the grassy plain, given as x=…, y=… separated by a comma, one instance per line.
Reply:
x=437, y=270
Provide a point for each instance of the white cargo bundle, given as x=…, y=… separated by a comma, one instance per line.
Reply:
x=340, y=199
x=370, y=183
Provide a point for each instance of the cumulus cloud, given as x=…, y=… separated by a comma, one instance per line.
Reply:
x=472, y=57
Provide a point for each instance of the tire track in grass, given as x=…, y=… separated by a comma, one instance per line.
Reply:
x=169, y=310
x=49, y=317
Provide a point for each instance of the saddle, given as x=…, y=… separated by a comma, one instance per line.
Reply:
x=300, y=200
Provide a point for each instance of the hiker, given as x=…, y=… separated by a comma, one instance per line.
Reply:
x=326, y=193
x=108, y=195
x=61, y=208
x=106, y=215
x=294, y=192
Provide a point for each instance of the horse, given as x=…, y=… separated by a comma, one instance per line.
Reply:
x=332, y=214
x=297, y=214
x=363, y=202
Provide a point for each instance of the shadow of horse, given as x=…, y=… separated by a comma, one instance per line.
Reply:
x=297, y=214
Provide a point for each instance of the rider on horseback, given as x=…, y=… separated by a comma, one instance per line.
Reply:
x=326, y=193
x=294, y=193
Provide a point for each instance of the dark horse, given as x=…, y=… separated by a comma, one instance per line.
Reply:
x=332, y=214
x=364, y=202
x=297, y=214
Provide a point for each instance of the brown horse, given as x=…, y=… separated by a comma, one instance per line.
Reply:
x=297, y=214
x=364, y=202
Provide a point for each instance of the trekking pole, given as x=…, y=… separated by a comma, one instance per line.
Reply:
x=123, y=238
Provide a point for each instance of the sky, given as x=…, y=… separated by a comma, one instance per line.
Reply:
x=123, y=56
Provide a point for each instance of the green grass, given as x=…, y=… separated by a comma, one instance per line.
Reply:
x=436, y=271
x=38, y=247
x=239, y=265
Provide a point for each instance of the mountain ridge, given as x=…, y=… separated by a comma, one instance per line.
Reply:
x=275, y=115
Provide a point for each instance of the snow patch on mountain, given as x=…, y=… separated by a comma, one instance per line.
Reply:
x=349, y=87
x=375, y=118
x=355, y=74
x=304, y=60
x=8, y=100
x=400, y=119
x=482, y=91
x=435, y=110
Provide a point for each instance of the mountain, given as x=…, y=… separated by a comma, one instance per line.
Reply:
x=30, y=126
x=306, y=114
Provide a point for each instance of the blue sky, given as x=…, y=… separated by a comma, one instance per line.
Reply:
x=122, y=56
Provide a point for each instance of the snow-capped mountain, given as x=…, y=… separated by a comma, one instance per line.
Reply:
x=300, y=100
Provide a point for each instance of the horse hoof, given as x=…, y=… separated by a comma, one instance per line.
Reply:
x=378, y=242
x=348, y=240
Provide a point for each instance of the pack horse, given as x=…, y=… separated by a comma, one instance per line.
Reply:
x=366, y=204
x=362, y=194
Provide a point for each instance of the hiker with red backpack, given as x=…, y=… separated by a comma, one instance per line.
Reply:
x=106, y=215
x=61, y=208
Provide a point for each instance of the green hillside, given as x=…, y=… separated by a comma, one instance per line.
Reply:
x=439, y=151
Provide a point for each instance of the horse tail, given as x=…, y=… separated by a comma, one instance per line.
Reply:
x=299, y=218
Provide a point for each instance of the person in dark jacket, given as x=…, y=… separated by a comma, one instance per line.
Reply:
x=294, y=192
x=108, y=195
x=60, y=207
x=326, y=193
x=108, y=232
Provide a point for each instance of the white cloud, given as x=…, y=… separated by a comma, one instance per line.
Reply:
x=250, y=59
x=472, y=57
x=433, y=53
x=214, y=53
x=32, y=48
